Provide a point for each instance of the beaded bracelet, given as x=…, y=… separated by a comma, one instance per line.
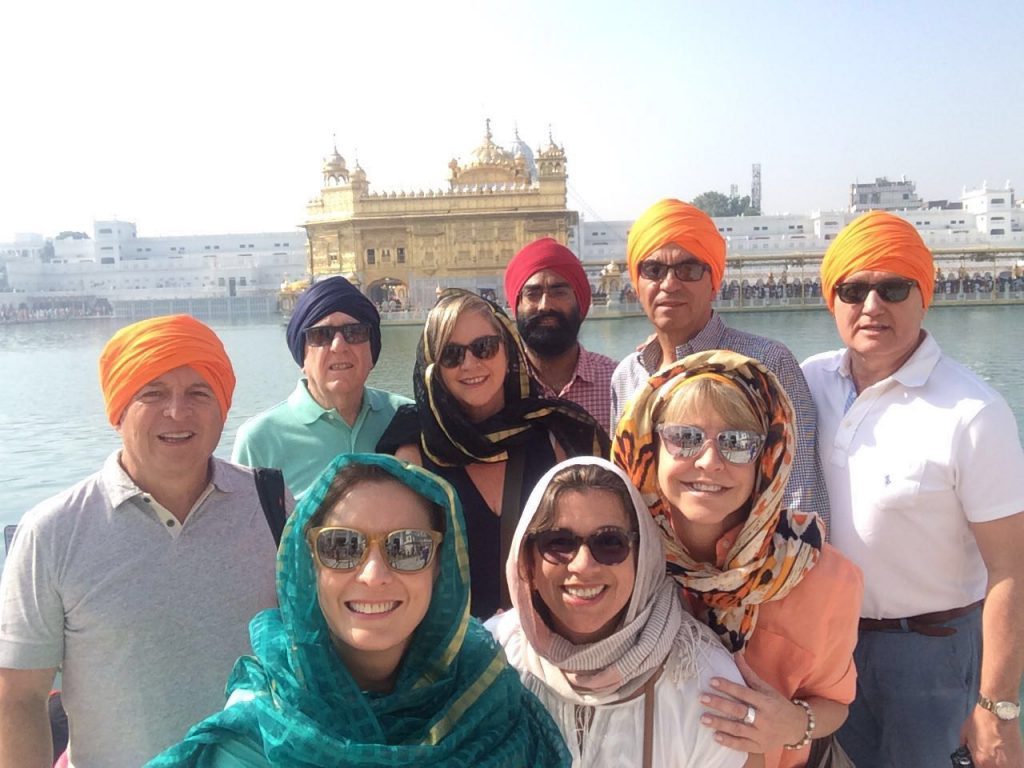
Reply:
x=810, y=726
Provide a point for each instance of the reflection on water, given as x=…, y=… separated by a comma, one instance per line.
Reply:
x=55, y=431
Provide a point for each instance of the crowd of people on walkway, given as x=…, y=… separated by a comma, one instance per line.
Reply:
x=58, y=309
x=704, y=554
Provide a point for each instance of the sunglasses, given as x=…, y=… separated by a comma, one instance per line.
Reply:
x=736, y=446
x=685, y=272
x=342, y=549
x=352, y=333
x=608, y=546
x=890, y=291
x=482, y=347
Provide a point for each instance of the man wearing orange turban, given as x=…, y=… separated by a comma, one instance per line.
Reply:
x=676, y=261
x=143, y=577
x=925, y=472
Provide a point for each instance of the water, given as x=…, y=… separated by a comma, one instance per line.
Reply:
x=55, y=431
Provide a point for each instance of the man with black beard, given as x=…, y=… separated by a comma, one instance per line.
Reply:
x=549, y=295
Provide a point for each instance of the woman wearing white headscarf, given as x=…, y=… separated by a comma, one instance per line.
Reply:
x=598, y=632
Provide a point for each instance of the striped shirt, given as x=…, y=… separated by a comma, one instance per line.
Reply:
x=806, y=489
x=589, y=387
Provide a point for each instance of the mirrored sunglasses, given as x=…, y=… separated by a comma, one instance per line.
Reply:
x=890, y=291
x=342, y=549
x=352, y=333
x=608, y=546
x=482, y=347
x=686, y=272
x=736, y=446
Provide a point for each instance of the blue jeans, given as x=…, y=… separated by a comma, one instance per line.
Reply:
x=913, y=694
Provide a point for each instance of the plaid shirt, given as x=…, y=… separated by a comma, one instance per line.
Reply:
x=589, y=387
x=806, y=488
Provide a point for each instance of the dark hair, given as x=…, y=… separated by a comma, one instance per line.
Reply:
x=355, y=474
x=581, y=478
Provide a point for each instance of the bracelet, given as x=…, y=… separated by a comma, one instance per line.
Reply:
x=810, y=726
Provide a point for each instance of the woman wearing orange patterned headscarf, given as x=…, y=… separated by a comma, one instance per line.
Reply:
x=709, y=443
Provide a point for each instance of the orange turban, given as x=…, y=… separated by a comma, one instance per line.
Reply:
x=673, y=221
x=143, y=351
x=882, y=242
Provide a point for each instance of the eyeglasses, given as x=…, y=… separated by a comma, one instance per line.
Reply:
x=685, y=271
x=737, y=446
x=890, y=291
x=532, y=294
x=342, y=549
x=609, y=546
x=482, y=347
x=323, y=335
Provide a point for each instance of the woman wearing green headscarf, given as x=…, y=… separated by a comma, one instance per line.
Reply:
x=372, y=658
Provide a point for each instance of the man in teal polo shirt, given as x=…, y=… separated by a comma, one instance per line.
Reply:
x=334, y=336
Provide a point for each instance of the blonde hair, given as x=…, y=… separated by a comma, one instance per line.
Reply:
x=445, y=314
x=706, y=393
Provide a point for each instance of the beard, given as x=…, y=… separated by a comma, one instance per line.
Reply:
x=547, y=340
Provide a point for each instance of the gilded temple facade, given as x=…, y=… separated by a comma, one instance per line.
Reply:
x=401, y=247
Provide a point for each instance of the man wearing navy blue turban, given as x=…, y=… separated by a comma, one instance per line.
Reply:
x=334, y=337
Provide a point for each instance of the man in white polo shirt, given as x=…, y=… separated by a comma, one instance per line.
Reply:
x=925, y=474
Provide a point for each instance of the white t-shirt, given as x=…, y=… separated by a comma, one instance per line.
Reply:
x=909, y=462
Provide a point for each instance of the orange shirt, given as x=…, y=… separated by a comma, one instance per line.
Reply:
x=803, y=644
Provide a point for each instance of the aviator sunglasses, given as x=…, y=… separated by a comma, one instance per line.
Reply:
x=736, y=446
x=342, y=549
x=482, y=347
x=608, y=546
x=685, y=271
x=890, y=291
x=352, y=333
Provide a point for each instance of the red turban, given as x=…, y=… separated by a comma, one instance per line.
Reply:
x=878, y=241
x=546, y=253
x=673, y=221
x=143, y=351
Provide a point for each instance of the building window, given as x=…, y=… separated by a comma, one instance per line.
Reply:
x=995, y=201
x=106, y=231
x=241, y=281
x=997, y=231
x=220, y=282
x=385, y=255
x=400, y=255
x=371, y=256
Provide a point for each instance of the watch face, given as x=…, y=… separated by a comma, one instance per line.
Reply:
x=1006, y=710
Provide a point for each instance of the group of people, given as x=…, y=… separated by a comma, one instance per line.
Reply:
x=701, y=555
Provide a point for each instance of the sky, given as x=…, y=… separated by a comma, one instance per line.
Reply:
x=208, y=117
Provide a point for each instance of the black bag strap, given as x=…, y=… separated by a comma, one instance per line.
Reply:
x=270, y=487
x=511, y=511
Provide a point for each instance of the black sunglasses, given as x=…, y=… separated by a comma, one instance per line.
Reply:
x=891, y=291
x=609, y=546
x=342, y=549
x=737, y=446
x=482, y=347
x=685, y=271
x=352, y=333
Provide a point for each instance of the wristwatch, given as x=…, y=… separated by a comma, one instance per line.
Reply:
x=1004, y=710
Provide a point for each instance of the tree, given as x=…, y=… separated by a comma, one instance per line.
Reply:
x=719, y=204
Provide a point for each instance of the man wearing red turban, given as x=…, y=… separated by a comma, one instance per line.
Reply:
x=550, y=296
x=926, y=476
x=138, y=582
x=676, y=261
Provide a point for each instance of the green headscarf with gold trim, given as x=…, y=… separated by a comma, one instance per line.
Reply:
x=456, y=702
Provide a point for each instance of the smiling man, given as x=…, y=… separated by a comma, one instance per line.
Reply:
x=676, y=260
x=926, y=475
x=138, y=582
x=550, y=296
x=334, y=337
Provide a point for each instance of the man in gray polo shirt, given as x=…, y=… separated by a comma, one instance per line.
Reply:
x=138, y=582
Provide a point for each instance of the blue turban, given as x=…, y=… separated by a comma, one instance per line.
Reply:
x=335, y=294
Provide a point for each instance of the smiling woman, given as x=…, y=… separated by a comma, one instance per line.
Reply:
x=372, y=655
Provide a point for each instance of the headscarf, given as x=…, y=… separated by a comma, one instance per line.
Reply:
x=654, y=623
x=775, y=547
x=546, y=253
x=146, y=350
x=443, y=430
x=456, y=702
x=880, y=241
x=673, y=221
x=335, y=294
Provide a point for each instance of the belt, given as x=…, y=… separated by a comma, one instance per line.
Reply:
x=925, y=624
